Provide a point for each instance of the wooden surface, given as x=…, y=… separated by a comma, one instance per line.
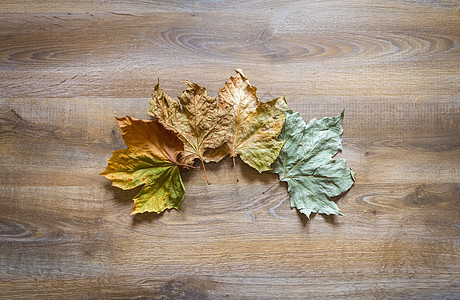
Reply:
x=68, y=67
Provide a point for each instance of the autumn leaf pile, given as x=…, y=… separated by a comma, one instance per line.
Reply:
x=265, y=135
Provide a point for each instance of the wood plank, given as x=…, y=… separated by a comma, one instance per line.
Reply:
x=68, y=67
x=96, y=237
x=382, y=147
x=142, y=6
x=107, y=55
x=58, y=146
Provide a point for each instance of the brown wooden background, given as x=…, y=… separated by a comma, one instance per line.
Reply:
x=68, y=67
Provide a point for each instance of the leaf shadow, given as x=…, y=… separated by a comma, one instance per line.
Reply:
x=252, y=176
x=304, y=220
x=122, y=196
x=147, y=217
x=125, y=198
x=334, y=219
x=331, y=219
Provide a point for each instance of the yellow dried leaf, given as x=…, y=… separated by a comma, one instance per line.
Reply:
x=255, y=125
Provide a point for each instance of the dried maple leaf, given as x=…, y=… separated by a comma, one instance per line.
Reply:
x=306, y=163
x=255, y=125
x=151, y=159
x=197, y=120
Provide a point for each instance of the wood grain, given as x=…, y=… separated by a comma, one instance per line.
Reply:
x=68, y=67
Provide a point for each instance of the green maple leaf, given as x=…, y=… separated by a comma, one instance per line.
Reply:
x=306, y=163
x=150, y=160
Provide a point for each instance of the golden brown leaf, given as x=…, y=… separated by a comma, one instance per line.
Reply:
x=150, y=137
x=197, y=120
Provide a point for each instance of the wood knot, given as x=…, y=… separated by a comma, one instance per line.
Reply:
x=422, y=198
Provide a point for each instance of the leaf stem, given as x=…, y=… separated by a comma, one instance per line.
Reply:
x=271, y=186
x=234, y=168
x=186, y=166
x=204, y=170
